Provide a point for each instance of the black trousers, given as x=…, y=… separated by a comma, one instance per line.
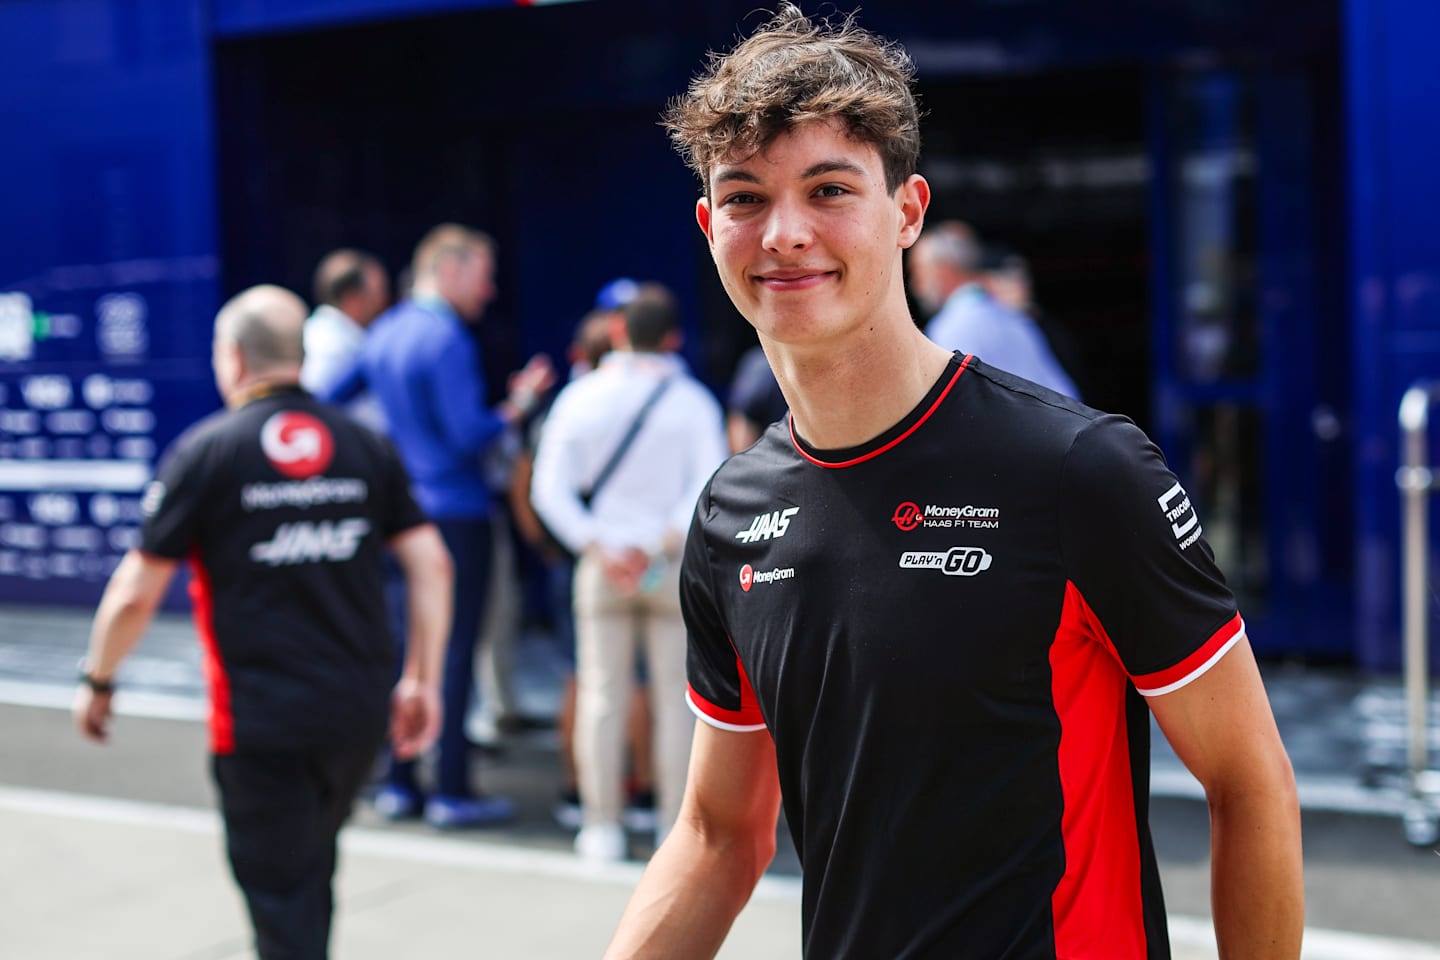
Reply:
x=282, y=813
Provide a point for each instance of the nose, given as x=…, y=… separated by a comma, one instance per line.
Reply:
x=787, y=227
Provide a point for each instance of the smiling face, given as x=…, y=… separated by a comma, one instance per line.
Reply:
x=806, y=237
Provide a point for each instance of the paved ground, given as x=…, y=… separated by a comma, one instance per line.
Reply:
x=113, y=852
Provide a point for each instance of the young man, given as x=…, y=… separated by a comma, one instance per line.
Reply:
x=283, y=505
x=931, y=608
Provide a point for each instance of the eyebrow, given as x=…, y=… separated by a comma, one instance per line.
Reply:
x=737, y=175
x=734, y=174
x=833, y=166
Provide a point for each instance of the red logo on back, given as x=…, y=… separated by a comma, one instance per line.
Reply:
x=747, y=577
x=297, y=444
x=908, y=516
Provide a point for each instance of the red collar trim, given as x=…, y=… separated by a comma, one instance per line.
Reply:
x=795, y=441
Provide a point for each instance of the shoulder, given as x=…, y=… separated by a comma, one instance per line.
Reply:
x=993, y=392
x=754, y=468
x=579, y=405
x=203, y=451
x=209, y=432
x=1107, y=450
x=576, y=394
x=695, y=392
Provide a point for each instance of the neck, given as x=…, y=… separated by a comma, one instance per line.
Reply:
x=844, y=397
x=427, y=291
x=253, y=388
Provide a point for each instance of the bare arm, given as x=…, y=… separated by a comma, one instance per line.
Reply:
x=527, y=524
x=131, y=597
x=1222, y=728
x=415, y=705
x=704, y=872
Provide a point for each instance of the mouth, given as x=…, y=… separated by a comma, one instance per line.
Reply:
x=794, y=279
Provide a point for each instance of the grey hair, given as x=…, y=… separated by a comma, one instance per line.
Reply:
x=255, y=322
x=956, y=244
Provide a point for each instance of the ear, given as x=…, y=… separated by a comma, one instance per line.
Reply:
x=673, y=341
x=702, y=217
x=619, y=338
x=914, y=201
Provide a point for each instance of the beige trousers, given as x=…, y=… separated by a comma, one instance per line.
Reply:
x=608, y=628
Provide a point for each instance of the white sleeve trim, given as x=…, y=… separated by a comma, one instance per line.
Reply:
x=1199, y=671
x=721, y=724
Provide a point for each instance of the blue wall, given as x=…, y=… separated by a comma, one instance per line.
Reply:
x=240, y=17
x=107, y=275
x=1392, y=88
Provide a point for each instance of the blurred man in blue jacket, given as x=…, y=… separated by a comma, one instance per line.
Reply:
x=423, y=366
x=946, y=277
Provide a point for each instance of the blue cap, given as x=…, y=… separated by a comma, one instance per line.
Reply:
x=616, y=294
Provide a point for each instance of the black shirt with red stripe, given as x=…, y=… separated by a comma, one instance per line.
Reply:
x=283, y=508
x=949, y=632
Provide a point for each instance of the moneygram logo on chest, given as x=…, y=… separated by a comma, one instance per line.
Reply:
x=749, y=576
x=297, y=444
x=911, y=516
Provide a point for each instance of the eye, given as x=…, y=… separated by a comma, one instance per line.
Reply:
x=740, y=199
x=831, y=190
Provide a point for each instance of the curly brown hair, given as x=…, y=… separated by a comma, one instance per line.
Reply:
x=790, y=71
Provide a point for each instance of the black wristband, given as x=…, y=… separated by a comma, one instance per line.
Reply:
x=99, y=686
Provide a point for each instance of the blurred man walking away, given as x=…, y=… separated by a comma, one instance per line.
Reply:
x=283, y=507
x=622, y=458
x=931, y=609
x=947, y=277
x=351, y=290
x=424, y=367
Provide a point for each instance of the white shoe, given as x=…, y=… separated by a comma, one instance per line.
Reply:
x=601, y=843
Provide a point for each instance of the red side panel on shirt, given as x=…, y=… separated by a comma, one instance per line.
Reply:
x=747, y=716
x=202, y=599
x=1098, y=903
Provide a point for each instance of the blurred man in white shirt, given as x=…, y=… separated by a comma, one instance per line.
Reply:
x=628, y=535
x=351, y=290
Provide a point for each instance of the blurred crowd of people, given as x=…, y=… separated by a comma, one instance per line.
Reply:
x=591, y=488
x=595, y=481
x=586, y=486
x=574, y=493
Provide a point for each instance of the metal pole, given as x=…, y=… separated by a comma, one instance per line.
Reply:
x=1416, y=481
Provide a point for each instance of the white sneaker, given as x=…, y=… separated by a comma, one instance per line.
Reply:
x=601, y=843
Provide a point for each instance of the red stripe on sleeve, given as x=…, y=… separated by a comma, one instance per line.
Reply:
x=222, y=718
x=748, y=717
x=1195, y=665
